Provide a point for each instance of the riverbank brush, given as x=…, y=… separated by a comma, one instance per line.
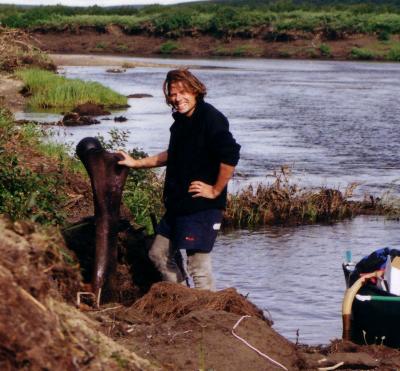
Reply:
x=48, y=90
x=286, y=203
x=24, y=192
x=217, y=20
x=17, y=50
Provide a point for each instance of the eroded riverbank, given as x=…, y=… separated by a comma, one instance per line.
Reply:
x=298, y=46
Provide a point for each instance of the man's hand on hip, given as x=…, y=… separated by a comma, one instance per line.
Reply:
x=201, y=189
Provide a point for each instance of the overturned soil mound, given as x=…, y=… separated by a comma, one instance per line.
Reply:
x=38, y=330
x=166, y=301
x=186, y=329
x=203, y=340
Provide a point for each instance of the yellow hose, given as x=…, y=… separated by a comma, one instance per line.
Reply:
x=349, y=296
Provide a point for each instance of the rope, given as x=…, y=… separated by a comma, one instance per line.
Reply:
x=331, y=367
x=255, y=349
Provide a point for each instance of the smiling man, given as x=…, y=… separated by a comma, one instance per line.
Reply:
x=200, y=159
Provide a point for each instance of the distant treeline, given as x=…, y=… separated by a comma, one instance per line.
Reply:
x=247, y=18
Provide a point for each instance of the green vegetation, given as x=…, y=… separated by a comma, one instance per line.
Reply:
x=362, y=54
x=384, y=35
x=325, y=50
x=169, y=47
x=49, y=90
x=40, y=195
x=394, y=54
x=238, y=51
x=25, y=194
x=101, y=46
x=272, y=19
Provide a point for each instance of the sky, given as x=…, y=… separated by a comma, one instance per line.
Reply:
x=92, y=2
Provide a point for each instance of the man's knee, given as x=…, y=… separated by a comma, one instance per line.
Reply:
x=200, y=269
x=163, y=257
x=159, y=251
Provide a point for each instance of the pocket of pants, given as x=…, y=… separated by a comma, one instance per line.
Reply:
x=198, y=231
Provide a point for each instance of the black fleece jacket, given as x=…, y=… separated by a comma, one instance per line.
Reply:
x=198, y=144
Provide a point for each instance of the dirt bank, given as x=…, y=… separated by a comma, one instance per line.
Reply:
x=88, y=41
x=170, y=328
x=10, y=96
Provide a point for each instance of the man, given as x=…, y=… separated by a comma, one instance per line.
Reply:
x=200, y=159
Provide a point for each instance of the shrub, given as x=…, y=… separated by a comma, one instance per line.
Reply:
x=168, y=47
x=25, y=194
x=173, y=23
x=100, y=46
x=362, y=54
x=28, y=195
x=384, y=36
x=325, y=50
x=394, y=54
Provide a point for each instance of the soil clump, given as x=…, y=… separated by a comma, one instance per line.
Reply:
x=139, y=95
x=91, y=109
x=75, y=119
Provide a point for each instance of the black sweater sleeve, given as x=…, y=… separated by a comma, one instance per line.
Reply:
x=223, y=143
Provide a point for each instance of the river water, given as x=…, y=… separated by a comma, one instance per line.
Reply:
x=333, y=123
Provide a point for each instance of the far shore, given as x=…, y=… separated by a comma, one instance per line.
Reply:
x=118, y=61
x=102, y=60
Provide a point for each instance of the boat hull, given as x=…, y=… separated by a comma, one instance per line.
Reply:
x=375, y=322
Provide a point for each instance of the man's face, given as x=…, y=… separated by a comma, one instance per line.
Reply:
x=183, y=100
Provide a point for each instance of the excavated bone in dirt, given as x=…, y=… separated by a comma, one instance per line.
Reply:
x=108, y=180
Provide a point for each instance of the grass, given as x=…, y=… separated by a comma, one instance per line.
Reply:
x=48, y=90
x=238, y=51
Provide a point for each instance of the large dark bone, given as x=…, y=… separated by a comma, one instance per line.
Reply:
x=108, y=180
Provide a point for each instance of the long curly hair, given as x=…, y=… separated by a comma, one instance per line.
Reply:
x=189, y=81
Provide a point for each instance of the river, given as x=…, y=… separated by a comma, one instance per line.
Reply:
x=333, y=123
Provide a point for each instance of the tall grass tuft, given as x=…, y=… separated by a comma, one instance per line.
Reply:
x=48, y=90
